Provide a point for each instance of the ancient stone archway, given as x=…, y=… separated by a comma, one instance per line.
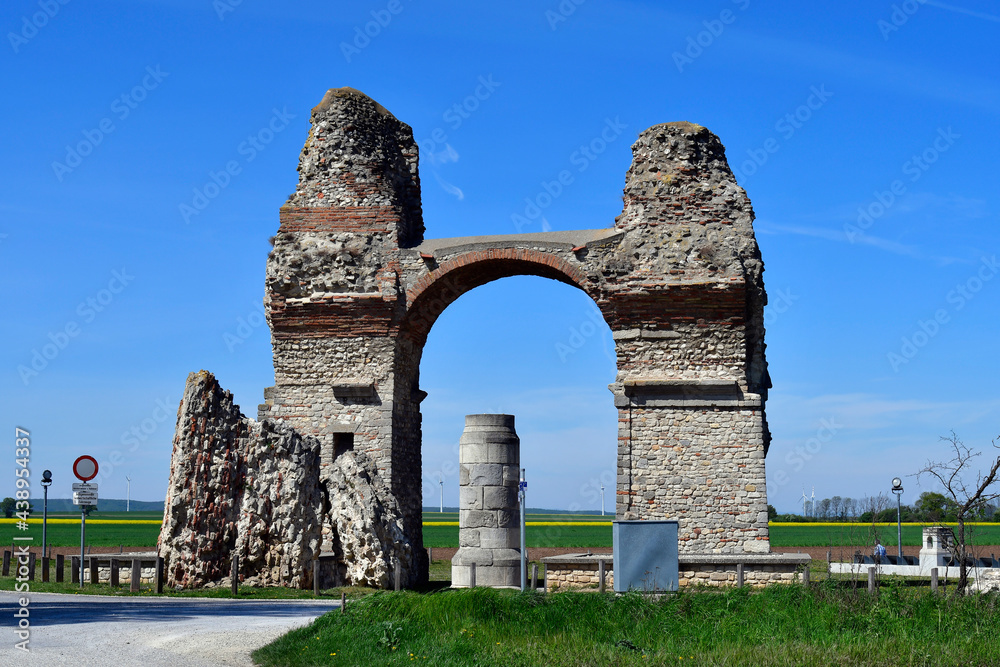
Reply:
x=353, y=289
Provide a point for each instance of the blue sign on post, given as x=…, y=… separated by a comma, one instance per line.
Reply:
x=645, y=555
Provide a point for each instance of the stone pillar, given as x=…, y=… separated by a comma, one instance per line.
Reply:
x=489, y=533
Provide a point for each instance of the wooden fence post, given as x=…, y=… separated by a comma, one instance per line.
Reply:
x=805, y=577
x=315, y=575
x=829, y=559
x=397, y=574
x=60, y=567
x=45, y=568
x=600, y=576
x=235, y=576
x=6, y=563
x=472, y=575
x=739, y=575
x=934, y=580
x=430, y=555
x=95, y=573
x=115, y=572
x=31, y=566
x=75, y=567
x=159, y=575
x=343, y=602
x=136, y=575
x=534, y=576
x=871, y=580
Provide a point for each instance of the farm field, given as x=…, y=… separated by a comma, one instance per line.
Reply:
x=141, y=529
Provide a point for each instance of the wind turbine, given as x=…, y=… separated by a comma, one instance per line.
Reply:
x=812, y=502
x=602, y=498
x=805, y=499
x=442, y=493
x=128, y=492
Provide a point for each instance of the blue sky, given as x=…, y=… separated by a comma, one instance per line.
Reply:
x=118, y=113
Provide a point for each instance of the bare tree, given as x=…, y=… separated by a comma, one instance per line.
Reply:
x=971, y=498
x=849, y=512
x=835, y=505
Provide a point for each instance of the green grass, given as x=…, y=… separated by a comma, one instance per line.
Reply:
x=805, y=535
x=858, y=534
x=536, y=536
x=780, y=625
x=68, y=535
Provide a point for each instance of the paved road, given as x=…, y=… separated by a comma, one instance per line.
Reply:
x=85, y=631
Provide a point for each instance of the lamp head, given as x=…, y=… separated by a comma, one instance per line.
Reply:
x=897, y=484
x=47, y=477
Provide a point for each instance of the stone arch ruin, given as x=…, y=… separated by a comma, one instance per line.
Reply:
x=332, y=464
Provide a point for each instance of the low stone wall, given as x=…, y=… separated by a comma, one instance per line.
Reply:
x=147, y=575
x=147, y=568
x=582, y=570
x=560, y=576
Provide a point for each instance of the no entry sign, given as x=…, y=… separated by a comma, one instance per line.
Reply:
x=85, y=468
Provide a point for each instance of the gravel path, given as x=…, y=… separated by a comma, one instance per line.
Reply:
x=82, y=631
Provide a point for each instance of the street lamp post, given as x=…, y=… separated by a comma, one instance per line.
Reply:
x=897, y=488
x=46, y=482
x=442, y=495
x=602, y=498
x=521, y=486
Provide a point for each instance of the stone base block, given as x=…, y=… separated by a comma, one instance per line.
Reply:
x=501, y=570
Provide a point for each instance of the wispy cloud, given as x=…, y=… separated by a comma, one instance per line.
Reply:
x=962, y=10
x=955, y=87
x=839, y=236
x=449, y=188
x=909, y=208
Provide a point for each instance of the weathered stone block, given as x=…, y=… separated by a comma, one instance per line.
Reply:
x=478, y=519
x=485, y=474
x=498, y=498
x=471, y=497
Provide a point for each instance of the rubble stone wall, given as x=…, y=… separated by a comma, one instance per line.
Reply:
x=252, y=489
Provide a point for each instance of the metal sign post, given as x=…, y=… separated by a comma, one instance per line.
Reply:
x=83, y=541
x=85, y=469
x=46, y=483
x=522, y=485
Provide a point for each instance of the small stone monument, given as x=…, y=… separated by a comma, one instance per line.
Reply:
x=936, y=548
x=489, y=533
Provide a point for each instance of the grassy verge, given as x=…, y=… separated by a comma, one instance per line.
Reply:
x=781, y=625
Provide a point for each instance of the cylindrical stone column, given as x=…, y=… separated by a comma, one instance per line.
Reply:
x=489, y=532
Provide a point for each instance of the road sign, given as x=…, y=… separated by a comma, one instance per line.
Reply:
x=84, y=494
x=85, y=468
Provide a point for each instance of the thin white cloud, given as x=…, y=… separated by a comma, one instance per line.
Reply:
x=956, y=87
x=961, y=10
x=840, y=236
x=449, y=188
x=448, y=154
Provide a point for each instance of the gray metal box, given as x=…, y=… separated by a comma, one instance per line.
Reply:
x=645, y=554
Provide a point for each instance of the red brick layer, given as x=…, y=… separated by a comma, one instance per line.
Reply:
x=545, y=264
x=340, y=317
x=678, y=304
x=339, y=219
